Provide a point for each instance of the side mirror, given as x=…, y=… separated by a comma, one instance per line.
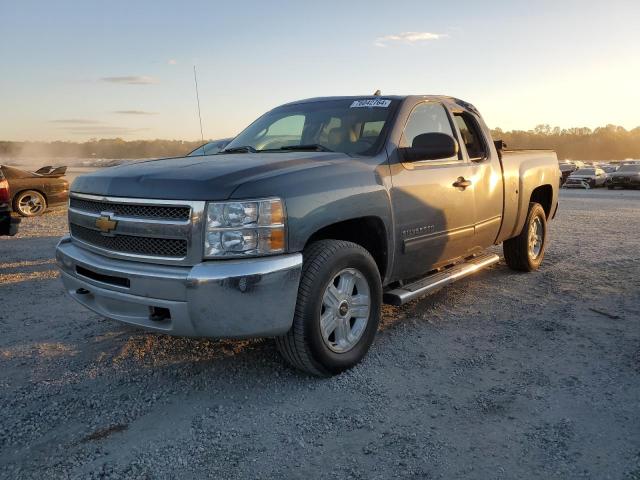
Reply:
x=430, y=146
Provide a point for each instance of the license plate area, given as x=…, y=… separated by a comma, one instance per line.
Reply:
x=101, y=277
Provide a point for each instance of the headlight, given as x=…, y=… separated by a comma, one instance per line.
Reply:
x=236, y=229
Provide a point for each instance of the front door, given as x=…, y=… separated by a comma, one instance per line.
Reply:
x=434, y=218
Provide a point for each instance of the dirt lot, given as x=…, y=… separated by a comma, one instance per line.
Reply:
x=503, y=375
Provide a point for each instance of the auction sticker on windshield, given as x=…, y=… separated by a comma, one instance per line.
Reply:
x=373, y=102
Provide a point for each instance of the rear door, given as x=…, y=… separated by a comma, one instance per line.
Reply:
x=486, y=177
x=434, y=219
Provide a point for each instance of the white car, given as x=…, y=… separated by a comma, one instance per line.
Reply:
x=589, y=177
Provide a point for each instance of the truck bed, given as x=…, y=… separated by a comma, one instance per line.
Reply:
x=524, y=171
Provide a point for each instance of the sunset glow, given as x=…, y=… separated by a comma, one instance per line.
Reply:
x=80, y=70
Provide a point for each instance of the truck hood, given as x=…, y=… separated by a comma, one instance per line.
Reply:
x=212, y=177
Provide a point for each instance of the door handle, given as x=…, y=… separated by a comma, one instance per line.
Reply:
x=462, y=183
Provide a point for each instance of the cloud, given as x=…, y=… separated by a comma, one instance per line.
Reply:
x=134, y=112
x=131, y=80
x=408, y=38
x=172, y=61
x=76, y=121
x=102, y=130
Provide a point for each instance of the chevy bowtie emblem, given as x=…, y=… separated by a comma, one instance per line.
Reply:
x=105, y=224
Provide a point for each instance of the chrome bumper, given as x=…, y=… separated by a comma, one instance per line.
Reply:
x=229, y=298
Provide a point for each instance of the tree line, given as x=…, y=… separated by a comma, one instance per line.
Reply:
x=605, y=143
x=112, y=148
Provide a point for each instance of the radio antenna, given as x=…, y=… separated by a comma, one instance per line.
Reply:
x=195, y=78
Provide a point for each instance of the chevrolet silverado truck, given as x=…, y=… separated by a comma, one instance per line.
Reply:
x=305, y=223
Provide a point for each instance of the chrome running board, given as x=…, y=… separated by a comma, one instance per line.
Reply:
x=430, y=283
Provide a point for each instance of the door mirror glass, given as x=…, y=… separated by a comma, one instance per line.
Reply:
x=430, y=146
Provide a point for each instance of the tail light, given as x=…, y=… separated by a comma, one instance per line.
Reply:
x=4, y=191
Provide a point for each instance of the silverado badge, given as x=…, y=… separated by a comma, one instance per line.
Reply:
x=105, y=224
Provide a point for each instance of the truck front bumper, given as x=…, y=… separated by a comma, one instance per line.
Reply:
x=224, y=299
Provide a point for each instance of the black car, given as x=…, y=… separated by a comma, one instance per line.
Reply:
x=627, y=176
x=33, y=192
x=210, y=148
x=8, y=224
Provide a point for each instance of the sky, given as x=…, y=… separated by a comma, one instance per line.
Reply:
x=75, y=70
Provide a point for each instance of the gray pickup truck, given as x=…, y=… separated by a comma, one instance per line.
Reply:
x=306, y=222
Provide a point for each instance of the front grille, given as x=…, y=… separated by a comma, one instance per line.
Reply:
x=157, y=247
x=131, y=210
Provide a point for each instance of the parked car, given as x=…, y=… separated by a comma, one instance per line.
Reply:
x=590, y=177
x=32, y=192
x=306, y=222
x=8, y=224
x=627, y=176
x=210, y=148
x=566, y=169
x=608, y=170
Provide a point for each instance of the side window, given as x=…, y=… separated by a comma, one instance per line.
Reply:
x=471, y=136
x=426, y=117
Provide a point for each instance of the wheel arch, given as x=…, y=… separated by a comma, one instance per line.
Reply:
x=369, y=232
x=543, y=195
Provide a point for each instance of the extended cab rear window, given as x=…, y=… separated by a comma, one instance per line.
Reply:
x=471, y=136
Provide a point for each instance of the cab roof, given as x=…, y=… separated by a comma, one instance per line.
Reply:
x=456, y=103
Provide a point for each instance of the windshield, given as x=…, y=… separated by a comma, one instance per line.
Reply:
x=346, y=125
x=629, y=168
x=585, y=171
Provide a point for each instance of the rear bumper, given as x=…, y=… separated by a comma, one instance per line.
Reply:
x=223, y=299
x=583, y=184
x=59, y=198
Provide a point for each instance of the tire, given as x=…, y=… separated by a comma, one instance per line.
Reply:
x=518, y=252
x=29, y=203
x=305, y=346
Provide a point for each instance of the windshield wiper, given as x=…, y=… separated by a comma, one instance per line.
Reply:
x=316, y=147
x=244, y=149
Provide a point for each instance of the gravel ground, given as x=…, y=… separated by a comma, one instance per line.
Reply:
x=502, y=375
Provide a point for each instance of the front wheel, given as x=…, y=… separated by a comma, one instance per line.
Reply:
x=337, y=311
x=526, y=251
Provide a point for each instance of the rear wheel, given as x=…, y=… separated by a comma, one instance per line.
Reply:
x=30, y=203
x=526, y=251
x=337, y=311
